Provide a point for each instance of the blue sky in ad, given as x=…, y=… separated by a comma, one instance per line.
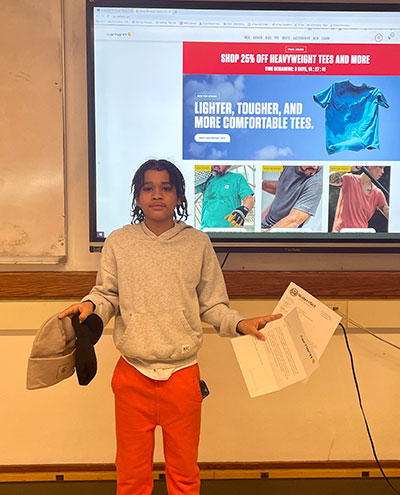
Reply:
x=287, y=142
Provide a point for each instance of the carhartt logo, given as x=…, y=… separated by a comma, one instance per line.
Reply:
x=63, y=370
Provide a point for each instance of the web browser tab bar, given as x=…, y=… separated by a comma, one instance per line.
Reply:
x=154, y=11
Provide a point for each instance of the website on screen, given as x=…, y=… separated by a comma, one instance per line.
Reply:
x=280, y=121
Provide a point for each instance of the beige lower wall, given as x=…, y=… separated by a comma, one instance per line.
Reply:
x=316, y=421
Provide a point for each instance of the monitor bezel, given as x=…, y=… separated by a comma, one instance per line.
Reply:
x=274, y=243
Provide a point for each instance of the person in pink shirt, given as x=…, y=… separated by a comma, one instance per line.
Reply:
x=359, y=198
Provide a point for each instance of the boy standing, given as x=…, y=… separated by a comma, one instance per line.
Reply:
x=161, y=279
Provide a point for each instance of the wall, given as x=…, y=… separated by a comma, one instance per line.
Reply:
x=316, y=421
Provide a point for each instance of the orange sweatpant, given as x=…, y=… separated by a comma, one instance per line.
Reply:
x=140, y=405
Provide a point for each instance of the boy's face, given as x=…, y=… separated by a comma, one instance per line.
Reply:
x=158, y=198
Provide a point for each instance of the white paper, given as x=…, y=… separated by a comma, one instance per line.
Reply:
x=319, y=321
x=284, y=358
x=293, y=344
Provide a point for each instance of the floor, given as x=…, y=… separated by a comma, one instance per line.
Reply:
x=216, y=487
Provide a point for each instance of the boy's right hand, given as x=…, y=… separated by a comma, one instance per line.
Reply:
x=85, y=309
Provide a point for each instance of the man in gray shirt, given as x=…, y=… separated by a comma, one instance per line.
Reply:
x=297, y=195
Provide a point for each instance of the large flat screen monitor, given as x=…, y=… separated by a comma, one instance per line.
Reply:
x=284, y=118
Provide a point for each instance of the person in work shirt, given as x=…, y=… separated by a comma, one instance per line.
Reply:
x=359, y=198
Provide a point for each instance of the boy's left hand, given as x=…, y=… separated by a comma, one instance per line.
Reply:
x=251, y=326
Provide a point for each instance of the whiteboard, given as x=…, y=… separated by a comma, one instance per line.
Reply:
x=32, y=219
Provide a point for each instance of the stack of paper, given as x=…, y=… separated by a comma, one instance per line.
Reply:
x=293, y=344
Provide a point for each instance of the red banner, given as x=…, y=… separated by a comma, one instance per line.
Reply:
x=291, y=59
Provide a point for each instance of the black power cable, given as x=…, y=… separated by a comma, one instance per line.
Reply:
x=363, y=413
x=355, y=323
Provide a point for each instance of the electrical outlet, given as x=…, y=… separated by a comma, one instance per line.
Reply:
x=341, y=306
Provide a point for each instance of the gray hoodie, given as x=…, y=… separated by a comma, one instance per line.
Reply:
x=160, y=288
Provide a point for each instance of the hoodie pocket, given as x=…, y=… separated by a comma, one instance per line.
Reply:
x=156, y=336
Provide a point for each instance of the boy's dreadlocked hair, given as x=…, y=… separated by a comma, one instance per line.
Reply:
x=176, y=179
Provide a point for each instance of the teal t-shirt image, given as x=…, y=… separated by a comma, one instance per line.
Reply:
x=351, y=118
x=222, y=195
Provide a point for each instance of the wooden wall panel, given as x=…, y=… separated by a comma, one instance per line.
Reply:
x=240, y=284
